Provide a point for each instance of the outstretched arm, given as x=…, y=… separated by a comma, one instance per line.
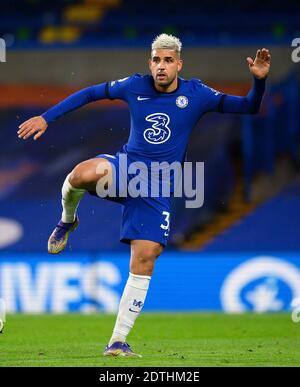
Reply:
x=38, y=125
x=259, y=67
x=249, y=104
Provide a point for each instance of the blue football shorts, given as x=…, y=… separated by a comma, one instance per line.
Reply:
x=143, y=218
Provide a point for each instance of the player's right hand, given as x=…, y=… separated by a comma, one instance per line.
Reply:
x=35, y=125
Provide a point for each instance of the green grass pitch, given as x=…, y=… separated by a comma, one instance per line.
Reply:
x=193, y=339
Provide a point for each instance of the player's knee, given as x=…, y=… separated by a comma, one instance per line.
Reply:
x=75, y=177
x=151, y=253
x=81, y=176
x=147, y=257
x=156, y=250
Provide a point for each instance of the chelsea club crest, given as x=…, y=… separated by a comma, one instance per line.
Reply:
x=182, y=101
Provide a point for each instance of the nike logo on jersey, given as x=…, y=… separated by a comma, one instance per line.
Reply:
x=139, y=98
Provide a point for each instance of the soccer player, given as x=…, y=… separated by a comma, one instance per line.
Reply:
x=164, y=109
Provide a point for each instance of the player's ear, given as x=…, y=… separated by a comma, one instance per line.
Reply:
x=180, y=64
x=149, y=63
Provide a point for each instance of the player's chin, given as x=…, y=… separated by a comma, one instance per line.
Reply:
x=163, y=81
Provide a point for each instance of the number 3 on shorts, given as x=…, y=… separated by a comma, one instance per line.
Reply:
x=166, y=226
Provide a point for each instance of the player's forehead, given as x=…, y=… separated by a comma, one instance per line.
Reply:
x=163, y=53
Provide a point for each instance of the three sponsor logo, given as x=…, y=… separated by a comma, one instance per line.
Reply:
x=159, y=131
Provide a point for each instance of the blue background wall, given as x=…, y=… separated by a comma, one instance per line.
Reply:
x=36, y=283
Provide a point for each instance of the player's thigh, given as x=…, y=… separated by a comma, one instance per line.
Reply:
x=89, y=172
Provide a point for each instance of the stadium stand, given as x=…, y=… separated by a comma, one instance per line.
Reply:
x=272, y=225
x=237, y=151
x=115, y=22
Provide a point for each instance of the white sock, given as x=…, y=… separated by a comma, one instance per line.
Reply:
x=131, y=304
x=70, y=200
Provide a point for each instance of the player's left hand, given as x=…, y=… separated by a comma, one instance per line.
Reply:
x=260, y=66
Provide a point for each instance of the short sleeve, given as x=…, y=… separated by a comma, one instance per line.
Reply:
x=118, y=89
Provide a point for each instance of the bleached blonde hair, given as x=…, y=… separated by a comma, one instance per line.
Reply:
x=165, y=41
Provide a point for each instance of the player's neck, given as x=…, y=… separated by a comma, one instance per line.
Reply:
x=168, y=88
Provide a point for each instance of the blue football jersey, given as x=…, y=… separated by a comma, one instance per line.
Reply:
x=161, y=123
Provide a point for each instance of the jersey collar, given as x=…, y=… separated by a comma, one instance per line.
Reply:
x=162, y=92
